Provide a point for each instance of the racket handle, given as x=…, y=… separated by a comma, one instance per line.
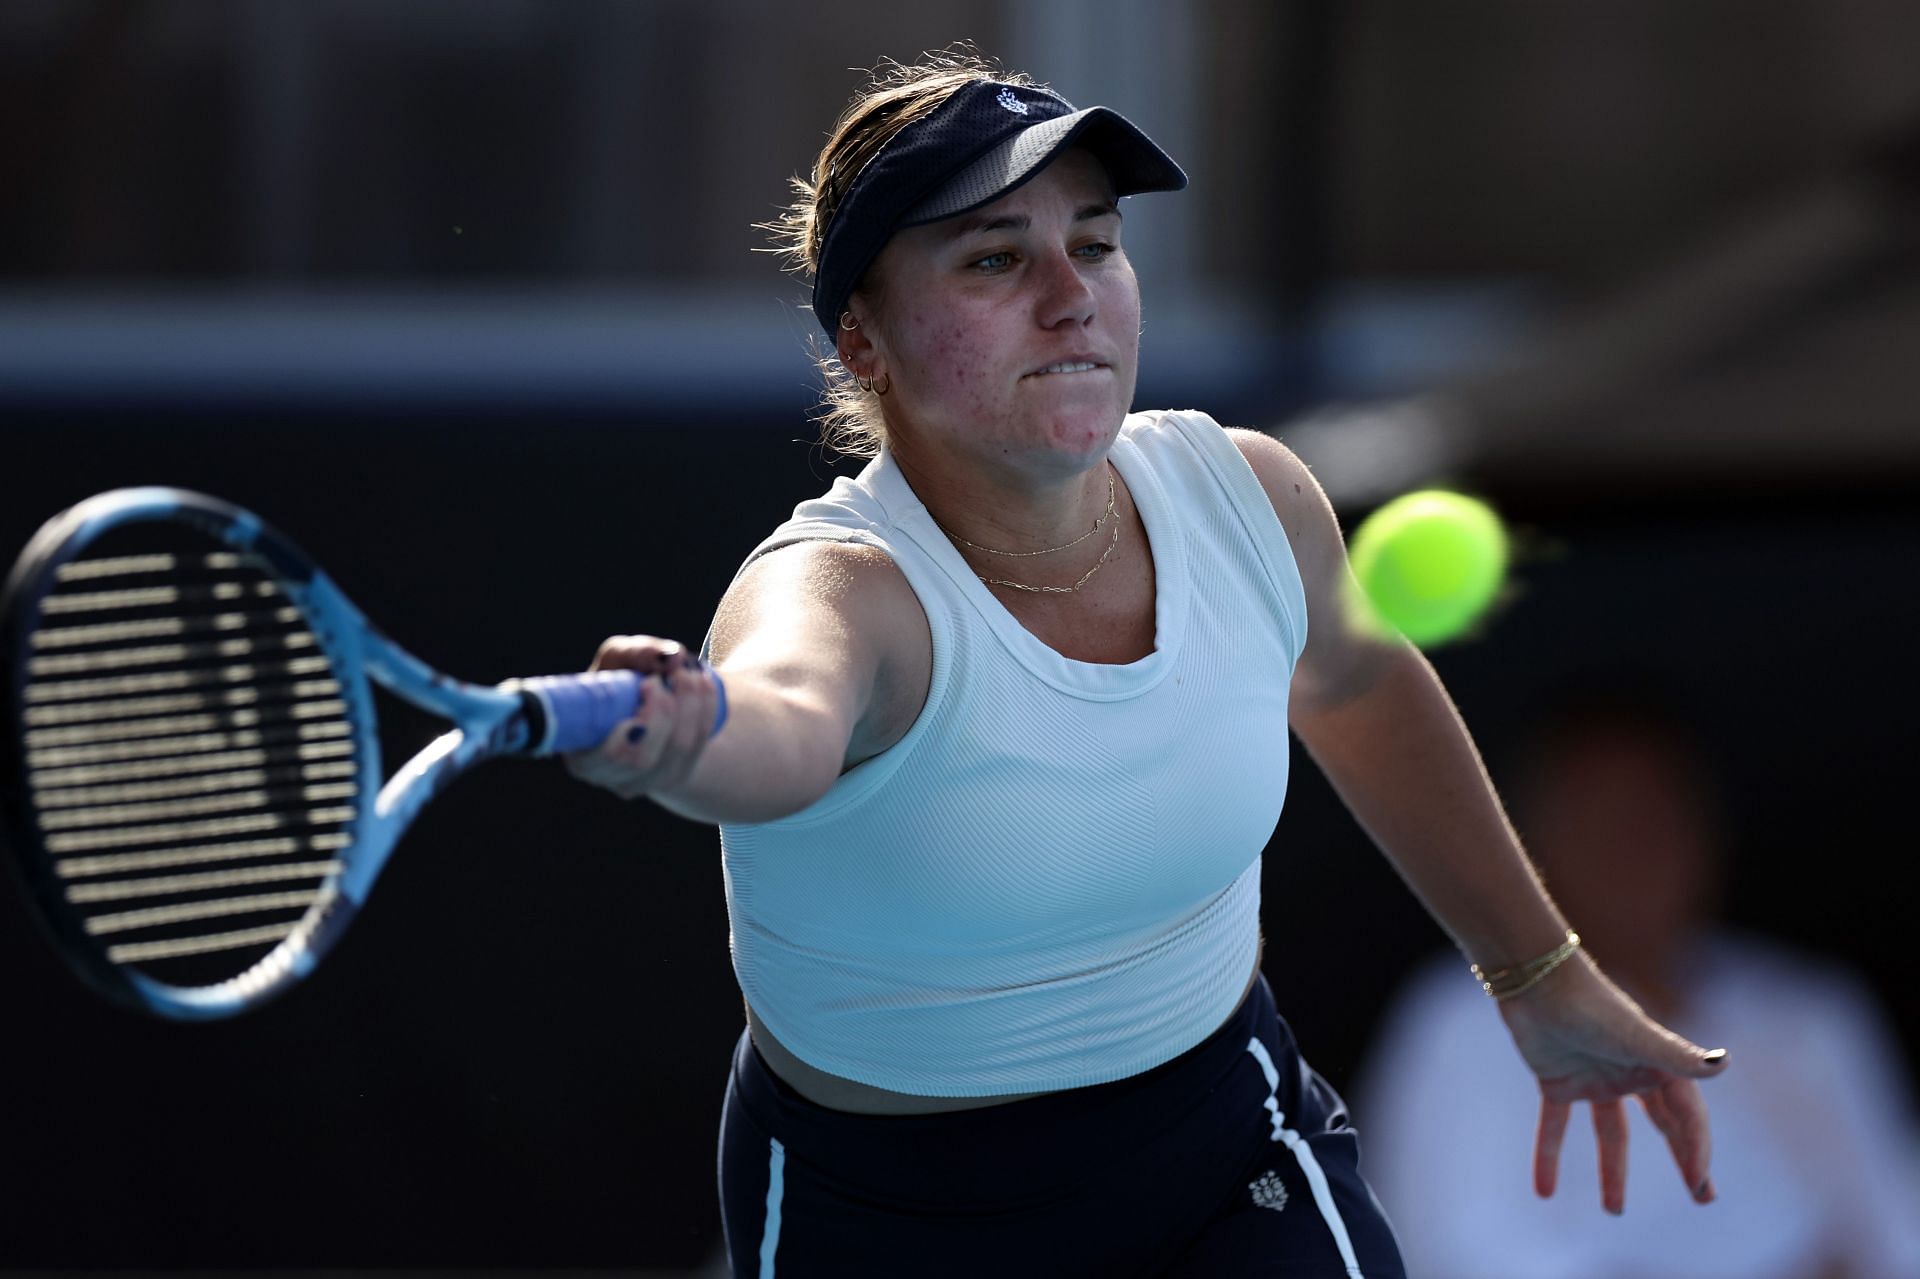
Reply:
x=576, y=712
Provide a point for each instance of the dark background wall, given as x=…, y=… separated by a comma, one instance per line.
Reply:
x=462, y=297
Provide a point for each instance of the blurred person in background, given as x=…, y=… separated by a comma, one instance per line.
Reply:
x=1815, y=1148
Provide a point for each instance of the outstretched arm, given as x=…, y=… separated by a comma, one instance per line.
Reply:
x=1381, y=727
x=825, y=654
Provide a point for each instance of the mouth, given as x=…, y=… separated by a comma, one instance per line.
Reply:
x=1068, y=367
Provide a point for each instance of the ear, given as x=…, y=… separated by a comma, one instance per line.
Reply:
x=858, y=352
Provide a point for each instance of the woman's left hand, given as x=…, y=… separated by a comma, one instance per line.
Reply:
x=1587, y=1041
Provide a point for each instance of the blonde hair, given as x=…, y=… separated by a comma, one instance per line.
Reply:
x=895, y=96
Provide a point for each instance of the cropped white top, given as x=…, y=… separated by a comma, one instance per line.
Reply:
x=1053, y=879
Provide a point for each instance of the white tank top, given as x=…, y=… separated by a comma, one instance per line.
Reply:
x=1053, y=880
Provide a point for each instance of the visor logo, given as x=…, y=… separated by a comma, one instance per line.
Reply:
x=1011, y=103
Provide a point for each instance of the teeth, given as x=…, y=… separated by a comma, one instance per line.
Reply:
x=1073, y=367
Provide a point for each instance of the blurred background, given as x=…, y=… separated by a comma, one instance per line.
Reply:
x=464, y=295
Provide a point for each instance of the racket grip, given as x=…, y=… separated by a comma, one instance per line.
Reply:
x=576, y=712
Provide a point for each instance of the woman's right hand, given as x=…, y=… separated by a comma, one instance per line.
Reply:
x=657, y=748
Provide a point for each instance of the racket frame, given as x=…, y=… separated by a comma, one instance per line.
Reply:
x=489, y=721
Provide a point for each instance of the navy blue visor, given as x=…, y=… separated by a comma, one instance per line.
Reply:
x=984, y=141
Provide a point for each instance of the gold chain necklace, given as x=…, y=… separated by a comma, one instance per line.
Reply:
x=1061, y=590
x=1064, y=546
x=1112, y=498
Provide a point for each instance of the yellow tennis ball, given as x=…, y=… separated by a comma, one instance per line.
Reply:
x=1429, y=564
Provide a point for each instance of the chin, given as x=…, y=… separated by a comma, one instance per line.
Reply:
x=1086, y=436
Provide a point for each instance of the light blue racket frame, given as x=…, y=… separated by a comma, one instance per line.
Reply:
x=531, y=717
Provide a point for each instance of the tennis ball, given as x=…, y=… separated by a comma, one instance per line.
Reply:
x=1429, y=564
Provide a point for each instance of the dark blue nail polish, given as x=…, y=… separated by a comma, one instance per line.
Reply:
x=635, y=733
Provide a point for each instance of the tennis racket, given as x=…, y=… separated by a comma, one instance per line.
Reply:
x=190, y=765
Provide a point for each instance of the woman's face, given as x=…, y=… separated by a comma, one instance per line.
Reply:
x=1010, y=334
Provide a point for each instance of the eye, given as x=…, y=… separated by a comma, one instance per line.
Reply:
x=994, y=262
x=1097, y=250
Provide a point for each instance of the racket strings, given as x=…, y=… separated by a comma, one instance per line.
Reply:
x=190, y=754
x=230, y=677
x=159, y=628
x=115, y=811
x=194, y=794
x=162, y=654
x=241, y=717
x=128, y=770
x=224, y=733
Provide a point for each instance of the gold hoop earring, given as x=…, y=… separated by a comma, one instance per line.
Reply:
x=868, y=384
x=846, y=327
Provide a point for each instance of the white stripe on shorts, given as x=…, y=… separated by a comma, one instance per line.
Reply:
x=1322, y=1193
x=776, y=1186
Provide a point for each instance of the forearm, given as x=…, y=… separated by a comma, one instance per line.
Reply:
x=1402, y=761
x=777, y=754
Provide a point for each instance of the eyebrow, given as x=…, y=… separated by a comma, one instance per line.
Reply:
x=1020, y=222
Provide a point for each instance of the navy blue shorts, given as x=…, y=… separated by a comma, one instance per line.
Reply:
x=1234, y=1159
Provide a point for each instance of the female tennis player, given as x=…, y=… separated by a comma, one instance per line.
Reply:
x=1009, y=730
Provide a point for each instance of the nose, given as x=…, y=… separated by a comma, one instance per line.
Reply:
x=1063, y=295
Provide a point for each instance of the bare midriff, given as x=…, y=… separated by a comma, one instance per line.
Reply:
x=838, y=1093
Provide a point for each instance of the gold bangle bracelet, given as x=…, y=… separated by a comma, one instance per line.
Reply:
x=1505, y=983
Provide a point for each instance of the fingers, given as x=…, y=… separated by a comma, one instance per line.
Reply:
x=659, y=745
x=1610, y=1137
x=1677, y=1110
x=1546, y=1146
x=647, y=654
x=692, y=697
x=1682, y=1057
x=1680, y=1113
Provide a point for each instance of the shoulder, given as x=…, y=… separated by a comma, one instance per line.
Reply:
x=1280, y=477
x=1289, y=484
x=1343, y=656
x=825, y=561
x=839, y=618
x=1313, y=529
x=1264, y=453
x=856, y=582
x=1186, y=430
